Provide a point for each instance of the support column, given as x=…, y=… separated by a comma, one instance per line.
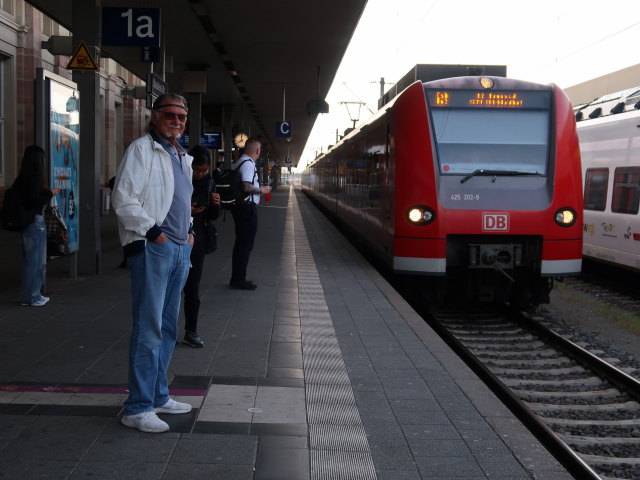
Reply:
x=195, y=118
x=227, y=120
x=86, y=28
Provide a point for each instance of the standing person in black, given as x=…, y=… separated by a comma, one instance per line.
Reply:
x=205, y=204
x=245, y=217
x=217, y=171
x=34, y=194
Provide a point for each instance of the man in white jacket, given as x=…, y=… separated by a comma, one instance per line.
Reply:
x=152, y=200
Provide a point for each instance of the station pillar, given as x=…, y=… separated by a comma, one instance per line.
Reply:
x=195, y=118
x=86, y=28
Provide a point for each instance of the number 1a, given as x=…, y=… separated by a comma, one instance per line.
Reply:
x=144, y=25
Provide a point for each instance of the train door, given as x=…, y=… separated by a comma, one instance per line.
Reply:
x=623, y=231
x=374, y=211
x=388, y=189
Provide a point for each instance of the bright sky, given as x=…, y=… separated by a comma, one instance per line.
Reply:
x=564, y=42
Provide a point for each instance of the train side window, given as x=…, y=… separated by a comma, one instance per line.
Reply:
x=595, y=188
x=626, y=190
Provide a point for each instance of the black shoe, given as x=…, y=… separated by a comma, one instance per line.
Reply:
x=192, y=339
x=243, y=285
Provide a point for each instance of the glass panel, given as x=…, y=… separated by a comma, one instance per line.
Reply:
x=63, y=150
x=3, y=61
x=595, y=189
x=626, y=190
x=490, y=139
x=7, y=6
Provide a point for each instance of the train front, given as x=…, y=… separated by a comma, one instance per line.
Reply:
x=500, y=207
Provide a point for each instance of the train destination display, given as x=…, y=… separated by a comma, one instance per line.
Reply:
x=489, y=99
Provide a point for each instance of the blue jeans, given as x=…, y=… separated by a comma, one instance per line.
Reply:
x=34, y=260
x=157, y=278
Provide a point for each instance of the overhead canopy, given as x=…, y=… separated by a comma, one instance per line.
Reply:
x=255, y=54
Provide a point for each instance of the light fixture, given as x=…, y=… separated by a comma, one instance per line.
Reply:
x=565, y=216
x=486, y=82
x=420, y=215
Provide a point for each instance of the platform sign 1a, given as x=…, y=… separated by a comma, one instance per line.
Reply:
x=131, y=27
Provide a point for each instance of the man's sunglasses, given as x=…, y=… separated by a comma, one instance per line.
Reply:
x=170, y=116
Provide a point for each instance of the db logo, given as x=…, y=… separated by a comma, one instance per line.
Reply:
x=495, y=222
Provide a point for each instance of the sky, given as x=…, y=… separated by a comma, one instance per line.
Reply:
x=565, y=42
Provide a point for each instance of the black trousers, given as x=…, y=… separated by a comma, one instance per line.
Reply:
x=245, y=218
x=192, y=286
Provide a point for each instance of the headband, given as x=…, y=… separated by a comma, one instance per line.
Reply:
x=171, y=105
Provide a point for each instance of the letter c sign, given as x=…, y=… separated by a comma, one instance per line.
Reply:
x=283, y=129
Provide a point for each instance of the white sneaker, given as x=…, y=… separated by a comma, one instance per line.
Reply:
x=173, y=407
x=38, y=303
x=145, y=422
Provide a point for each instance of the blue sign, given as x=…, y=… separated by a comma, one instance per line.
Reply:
x=130, y=27
x=211, y=140
x=283, y=129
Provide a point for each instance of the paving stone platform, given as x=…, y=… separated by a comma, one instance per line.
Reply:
x=323, y=372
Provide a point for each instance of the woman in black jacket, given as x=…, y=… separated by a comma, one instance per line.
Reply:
x=205, y=204
x=35, y=194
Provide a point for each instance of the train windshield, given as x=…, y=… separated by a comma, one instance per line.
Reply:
x=507, y=134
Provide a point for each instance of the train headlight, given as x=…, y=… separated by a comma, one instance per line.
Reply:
x=420, y=215
x=565, y=217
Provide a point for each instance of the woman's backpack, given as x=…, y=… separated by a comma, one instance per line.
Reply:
x=14, y=215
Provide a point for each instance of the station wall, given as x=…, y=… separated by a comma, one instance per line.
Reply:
x=22, y=31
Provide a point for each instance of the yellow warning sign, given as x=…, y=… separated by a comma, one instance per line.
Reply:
x=82, y=59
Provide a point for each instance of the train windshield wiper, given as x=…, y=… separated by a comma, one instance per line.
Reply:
x=502, y=173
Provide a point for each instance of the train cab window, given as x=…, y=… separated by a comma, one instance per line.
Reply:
x=502, y=131
x=468, y=140
x=595, y=188
x=626, y=190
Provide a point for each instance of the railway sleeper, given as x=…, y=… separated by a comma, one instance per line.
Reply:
x=610, y=407
x=483, y=327
x=600, y=460
x=517, y=338
x=592, y=394
x=511, y=346
x=532, y=372
x=549, y=353
x=586, y=382
x=558, y=362
x=481, y=331
x=581, y=440
x=630, y=422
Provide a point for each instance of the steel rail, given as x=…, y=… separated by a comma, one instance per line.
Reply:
x=567, y=457
x=622, y=380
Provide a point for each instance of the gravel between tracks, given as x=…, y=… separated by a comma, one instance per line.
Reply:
x=590, y=320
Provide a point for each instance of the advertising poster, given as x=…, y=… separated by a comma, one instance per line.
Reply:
x=64, y=147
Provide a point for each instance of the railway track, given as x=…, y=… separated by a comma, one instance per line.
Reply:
x=612, y=285
x=584, y=409
x=617, y=296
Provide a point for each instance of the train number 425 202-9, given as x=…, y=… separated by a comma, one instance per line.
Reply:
x=465, y=196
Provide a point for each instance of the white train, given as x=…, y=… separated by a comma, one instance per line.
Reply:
x=609, y=132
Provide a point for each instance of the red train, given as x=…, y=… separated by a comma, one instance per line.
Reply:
x=475, y=180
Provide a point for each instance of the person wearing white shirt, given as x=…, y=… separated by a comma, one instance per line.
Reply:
x=245, y=216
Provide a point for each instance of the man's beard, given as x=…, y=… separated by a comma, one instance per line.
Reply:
x=170, y=134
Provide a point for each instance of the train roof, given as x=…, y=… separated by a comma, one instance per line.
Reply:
x=426, y=72
x=609, y=104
